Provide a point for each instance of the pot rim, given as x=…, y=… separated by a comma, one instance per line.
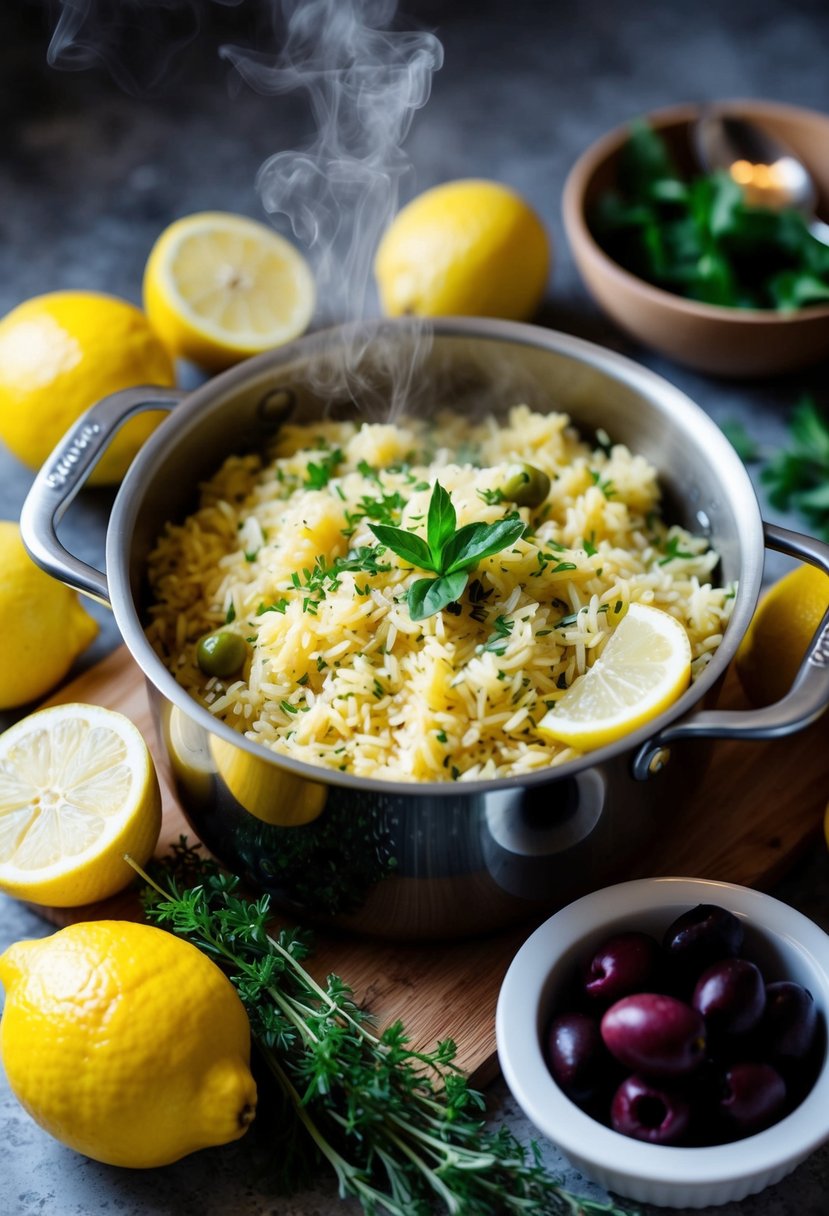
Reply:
x=736, y=484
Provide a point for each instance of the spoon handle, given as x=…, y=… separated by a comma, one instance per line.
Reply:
x=819, y=230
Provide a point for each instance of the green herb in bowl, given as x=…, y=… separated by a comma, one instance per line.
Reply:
x=697, y=237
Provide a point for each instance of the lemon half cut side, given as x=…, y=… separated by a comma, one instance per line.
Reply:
x=644, y=668
x=78, y=790
x=220, y=287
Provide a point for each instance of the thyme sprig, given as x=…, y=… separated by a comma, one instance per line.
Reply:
x=400, y=1128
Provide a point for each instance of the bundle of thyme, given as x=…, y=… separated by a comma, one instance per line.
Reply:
x=401, y=1129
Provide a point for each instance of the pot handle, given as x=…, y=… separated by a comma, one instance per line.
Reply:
x=65, y=472
x=805, y=701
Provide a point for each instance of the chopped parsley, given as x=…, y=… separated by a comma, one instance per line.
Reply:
x=317, y=476
x=497, y=643
x=672, y=550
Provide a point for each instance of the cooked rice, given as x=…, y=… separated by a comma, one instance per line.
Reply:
x=345, y=678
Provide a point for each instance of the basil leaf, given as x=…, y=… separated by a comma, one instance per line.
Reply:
x=476, y=541
x=428, y=595
x=440, y=523
x=407, y=545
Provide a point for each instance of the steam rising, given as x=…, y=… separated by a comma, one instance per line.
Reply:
x=364, y=82
x=364, y=79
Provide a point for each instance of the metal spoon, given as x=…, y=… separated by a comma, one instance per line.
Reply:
x=769, y=172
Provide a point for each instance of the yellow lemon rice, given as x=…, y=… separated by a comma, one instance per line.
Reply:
x=338, y=674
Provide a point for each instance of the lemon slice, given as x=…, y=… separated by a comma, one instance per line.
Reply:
x=78, y=789
x=220, y=287
x=645, y=666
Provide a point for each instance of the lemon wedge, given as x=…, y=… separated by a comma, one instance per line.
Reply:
x=78, y=790
x=775, y=642
x=220, y=287
x=645, y=666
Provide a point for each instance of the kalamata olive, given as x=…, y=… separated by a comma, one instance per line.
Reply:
x=525, y=485
x=221, y=653
x=790, y=1023
x=648, y=1111
x=753, y=1097
x=731, y=996
x=623, y=964
x=577, y=1056
x=703, y=935
x=654, y=1034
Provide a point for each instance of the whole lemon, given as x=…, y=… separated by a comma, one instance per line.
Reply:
x=62, y=352
x=42, y=624
x=466, y=248
x=779, y=633
x=126, y=1043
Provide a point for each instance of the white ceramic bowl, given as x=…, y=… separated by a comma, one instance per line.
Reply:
x=784, y=943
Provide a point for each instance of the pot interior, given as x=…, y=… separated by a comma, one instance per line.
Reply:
x=471, y=366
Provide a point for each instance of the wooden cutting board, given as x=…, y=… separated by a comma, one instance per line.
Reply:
x=759, y=806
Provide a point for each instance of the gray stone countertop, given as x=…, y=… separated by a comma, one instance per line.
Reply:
x=90, y=173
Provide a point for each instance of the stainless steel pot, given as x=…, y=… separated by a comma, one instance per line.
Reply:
x=432, y=859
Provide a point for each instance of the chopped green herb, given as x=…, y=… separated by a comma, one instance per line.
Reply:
x=478, y=596
x=497, y=643
x=325, y=577
x=442, y=737
x=303, y=679
x=317, y=476
x=321, y=663
x=798, y=477
x=368, y=472
x=573, y=617
x=700, y=238
x=288, y=707
x=492, y=498
x=672, y=550
x=589, y=545
x=280, y=606
x=604, y=484
x=230, y=615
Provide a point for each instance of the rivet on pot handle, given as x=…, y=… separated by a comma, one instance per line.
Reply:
x=65, y=472
x=805, y=701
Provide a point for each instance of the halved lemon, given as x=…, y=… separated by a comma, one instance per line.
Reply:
x=78, y=790
x=644, y=668
x=219, y=287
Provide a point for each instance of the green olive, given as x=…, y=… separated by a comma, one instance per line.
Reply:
x=525, y=485
x=221, y=653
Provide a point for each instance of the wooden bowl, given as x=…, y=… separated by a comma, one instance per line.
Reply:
x=708, y=337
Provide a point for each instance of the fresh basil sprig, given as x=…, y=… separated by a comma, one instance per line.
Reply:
x=450, y=553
